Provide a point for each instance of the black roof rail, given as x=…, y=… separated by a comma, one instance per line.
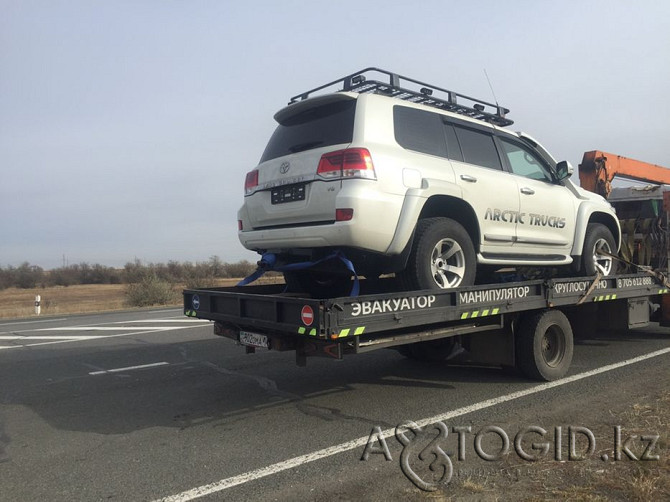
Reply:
x=447, y=100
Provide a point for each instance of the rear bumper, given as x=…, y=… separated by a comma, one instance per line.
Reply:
x=372, y=227
x=337, y=234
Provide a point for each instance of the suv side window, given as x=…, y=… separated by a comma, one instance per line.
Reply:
x=478, y=148
x=419, y=131
x=453, y=147
x=524, y=162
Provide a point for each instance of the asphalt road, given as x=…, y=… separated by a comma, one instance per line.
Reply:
x=151, y=405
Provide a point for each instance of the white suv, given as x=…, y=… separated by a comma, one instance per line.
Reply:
x=429, y=188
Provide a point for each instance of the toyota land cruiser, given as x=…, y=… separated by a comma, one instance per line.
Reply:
x=418, y=181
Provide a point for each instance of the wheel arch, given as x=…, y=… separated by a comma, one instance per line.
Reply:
x=455, y=209
x=583, y=222
x=611, y=223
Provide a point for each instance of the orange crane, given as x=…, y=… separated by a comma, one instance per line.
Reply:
x=598, y=169
x=645, y=240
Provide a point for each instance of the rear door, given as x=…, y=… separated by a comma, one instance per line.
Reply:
x=289, y=191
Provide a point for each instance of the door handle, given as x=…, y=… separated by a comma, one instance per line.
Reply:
x=527, y=191
x=468, y=178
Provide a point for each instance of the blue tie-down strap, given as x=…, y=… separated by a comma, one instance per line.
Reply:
x=269, y=260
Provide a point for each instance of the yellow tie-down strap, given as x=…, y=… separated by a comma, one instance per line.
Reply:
x=480, y=313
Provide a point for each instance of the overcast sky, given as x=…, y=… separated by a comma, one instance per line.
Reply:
x=126, y=127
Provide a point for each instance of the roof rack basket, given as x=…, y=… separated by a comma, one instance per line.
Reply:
x=448, y=100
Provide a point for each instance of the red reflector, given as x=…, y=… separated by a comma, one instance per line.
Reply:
x=251, y=181
x=349, y=163
x=240, y=226
x=344, y=214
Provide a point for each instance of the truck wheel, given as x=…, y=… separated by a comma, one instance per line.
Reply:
x=544, y=345
x=598, y=238
x=442, y=256
x=318, y=284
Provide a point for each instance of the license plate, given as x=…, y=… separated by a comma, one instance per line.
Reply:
x=289, y=193
x=254, y=340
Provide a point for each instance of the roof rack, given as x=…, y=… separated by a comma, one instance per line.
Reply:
x=448, y=100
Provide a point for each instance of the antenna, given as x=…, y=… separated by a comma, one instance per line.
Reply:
x=492, y=91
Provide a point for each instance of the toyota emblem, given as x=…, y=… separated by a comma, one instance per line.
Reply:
x=285, y=166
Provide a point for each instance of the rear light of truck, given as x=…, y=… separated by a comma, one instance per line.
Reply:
x=251, y=182
x=345, y=164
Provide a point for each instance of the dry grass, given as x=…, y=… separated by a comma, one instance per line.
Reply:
x=593, y=480
x=472, y=486
x=19, y=303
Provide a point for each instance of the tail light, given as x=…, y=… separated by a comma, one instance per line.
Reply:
x=346, y=214
x=251, y=182
x=349, y=163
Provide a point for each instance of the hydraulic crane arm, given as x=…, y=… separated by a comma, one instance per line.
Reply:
x=598, y=169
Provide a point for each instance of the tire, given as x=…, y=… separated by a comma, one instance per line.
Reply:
x=598, y=237
x=442, y=257
x=544, y=345
x=318, y=284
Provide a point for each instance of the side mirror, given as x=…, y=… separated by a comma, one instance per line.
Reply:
x=564, y=170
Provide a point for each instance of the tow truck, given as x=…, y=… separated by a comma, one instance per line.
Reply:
x=527, y=325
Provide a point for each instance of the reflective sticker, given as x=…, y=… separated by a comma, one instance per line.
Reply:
x=343, y=333
x=477, y=313
x=359, y=331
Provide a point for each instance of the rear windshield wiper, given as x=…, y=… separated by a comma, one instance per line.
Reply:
x=301, y=147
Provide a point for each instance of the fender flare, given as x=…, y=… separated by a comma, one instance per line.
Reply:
x=593, y=213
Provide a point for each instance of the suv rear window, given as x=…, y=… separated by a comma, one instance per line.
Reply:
x=325, y=125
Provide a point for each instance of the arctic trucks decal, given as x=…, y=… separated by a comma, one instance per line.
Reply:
x=538, y=220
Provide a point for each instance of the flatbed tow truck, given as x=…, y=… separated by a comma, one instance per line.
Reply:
x=526, y=325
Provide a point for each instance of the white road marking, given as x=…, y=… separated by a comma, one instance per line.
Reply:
x=75, y=338
x=2, y=325
x=50, y=337
x=103, y=328
x=240, y=479
x=13, y=332
x=129, y=368
x=167, y=320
